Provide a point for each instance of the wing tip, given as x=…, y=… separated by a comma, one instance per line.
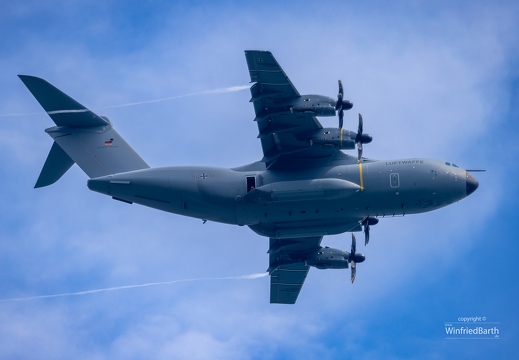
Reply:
x=28, y=80
x=256, y=51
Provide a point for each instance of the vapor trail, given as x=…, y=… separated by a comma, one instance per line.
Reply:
x=205, y=92
x=86, y=292
x=20, y=114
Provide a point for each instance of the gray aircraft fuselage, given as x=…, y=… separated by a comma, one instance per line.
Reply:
x=294, y=203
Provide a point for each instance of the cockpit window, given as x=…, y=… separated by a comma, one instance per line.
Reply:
x=449, y=164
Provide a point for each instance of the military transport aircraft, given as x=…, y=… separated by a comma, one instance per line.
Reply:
x=303, y=188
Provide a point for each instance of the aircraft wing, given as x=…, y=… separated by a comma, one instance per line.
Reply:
x=287, y=267
x=281, y=130
x=270, y=78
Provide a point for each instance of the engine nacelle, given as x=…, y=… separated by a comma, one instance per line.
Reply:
x=328, y=258
x=342, y=139
x=315, y=104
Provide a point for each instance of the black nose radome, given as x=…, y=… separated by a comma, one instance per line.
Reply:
x=472, y=184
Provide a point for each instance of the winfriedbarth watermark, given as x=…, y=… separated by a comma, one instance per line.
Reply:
x=472, y=328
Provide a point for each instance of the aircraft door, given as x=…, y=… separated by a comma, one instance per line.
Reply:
x=248, y=212
x=251, y=183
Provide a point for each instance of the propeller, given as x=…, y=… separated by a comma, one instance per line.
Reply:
x=366, y=233
x=341, y=105
x=358, y=138
x=367, y=222
x=352, y=258
x=338, y=105
x=361, y=138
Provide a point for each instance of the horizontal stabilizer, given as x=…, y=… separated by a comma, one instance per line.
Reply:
x=57, y=164
x=61, y=108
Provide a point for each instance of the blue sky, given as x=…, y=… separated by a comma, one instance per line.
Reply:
x=431, y=79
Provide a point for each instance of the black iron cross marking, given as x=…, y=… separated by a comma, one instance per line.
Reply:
x=203, y=176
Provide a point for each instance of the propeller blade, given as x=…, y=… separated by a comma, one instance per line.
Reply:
x=339, y=105
x=353, y=271
x=340, y=95
x=353, y=258
x=358, y=138
x=367, y=222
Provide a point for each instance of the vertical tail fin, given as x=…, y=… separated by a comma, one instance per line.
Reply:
x=80, y=137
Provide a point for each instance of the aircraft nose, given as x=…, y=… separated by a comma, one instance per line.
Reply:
x=472, y=183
